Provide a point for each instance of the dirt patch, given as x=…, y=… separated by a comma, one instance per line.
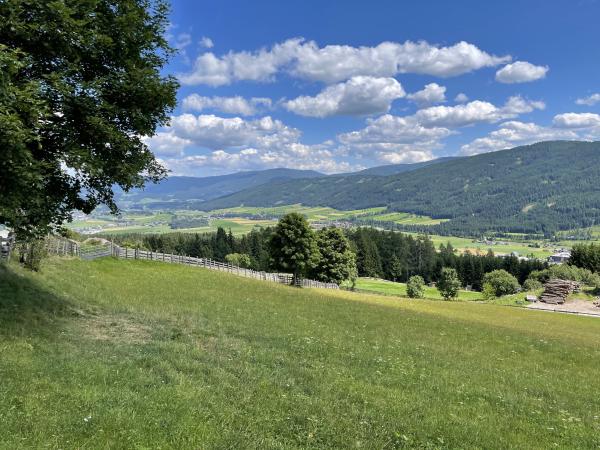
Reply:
x=115, y=328
x=573, y=306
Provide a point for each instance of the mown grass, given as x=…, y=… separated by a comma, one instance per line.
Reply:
x=138, y=354
x=399, y=289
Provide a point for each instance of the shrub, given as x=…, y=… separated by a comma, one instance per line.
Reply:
x=532, y=284
x=239, y=259
x=567, y=272
x=500, y=282
x=415, y=288
x=32, y=254
x=488, y=292
x=449, y=283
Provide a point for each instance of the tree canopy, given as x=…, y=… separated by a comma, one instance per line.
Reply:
x=336, y=261
x=293, y=245
x=80, y=88
x=499, y=282
x=449, y=283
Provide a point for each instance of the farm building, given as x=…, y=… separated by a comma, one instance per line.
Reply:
x=560, y=257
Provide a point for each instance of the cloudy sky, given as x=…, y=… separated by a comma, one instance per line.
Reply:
x=337, y=86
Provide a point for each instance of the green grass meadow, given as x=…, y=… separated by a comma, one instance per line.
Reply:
x=140, y=354
x=379, y=286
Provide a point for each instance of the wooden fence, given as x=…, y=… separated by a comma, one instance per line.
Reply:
x=283, y=278
x=61, y=246
x=66, y=247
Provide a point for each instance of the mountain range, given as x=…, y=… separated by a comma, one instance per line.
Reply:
x=539, y=188
x=179, y=191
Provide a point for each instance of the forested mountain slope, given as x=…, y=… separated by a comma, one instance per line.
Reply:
x=536, y=188
x=177, y=191
x=181, y=189
x=394, y=169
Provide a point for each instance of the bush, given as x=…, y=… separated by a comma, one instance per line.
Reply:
x=532, y=284
x=239, y=259
x=449, y=283
x=566, y=272
x=32, y=254
x=488, y=292
x=415, y=288
x=500, y=283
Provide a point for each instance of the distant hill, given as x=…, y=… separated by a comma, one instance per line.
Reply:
x=538, y=188
x=180, y=190
x=393, y=169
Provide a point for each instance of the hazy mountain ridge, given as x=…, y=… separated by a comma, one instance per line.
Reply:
x=537, y=188
x=177, y=191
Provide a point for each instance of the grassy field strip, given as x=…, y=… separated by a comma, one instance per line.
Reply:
x=399, y=289
x=518, y=319
x=139, y=354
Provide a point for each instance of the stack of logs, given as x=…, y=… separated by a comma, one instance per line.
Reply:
x=556, y=291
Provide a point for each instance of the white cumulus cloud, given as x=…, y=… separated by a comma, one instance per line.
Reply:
x=335, y=63
x=358, y=96
x=590, y=100
x=430, y=95
x=393, y=139
x=461, y=98
x=213, y=132
x=206, y=42
x=520, y=72
x=208, y=144
x=166, y=144
x=230, y=105
x=514, y=133
x=475, y=112
x=576, y=120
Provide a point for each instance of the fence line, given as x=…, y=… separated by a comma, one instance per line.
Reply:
x=64, y=247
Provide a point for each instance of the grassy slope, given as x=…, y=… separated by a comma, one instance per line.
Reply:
x=159, y=356
x=399, y=289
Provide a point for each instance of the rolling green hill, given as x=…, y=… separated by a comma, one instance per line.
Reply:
x=538, y=188
x=175, y=191
x=124, y=354
x=395, y=169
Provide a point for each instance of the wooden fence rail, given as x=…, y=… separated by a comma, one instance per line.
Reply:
x=64, y=247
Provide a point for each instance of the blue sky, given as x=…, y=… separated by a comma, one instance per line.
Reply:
x=339, y=86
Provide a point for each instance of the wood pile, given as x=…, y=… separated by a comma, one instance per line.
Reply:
x=556, y=291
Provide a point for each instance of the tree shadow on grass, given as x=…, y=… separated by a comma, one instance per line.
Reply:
x=28, y=308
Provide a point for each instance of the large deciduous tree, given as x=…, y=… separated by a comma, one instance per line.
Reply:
x=336, y=262
x=80, y=87
x=293, y=245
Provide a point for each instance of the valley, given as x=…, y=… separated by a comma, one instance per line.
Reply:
x=242, y=220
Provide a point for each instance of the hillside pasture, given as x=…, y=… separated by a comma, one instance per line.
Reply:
x=386, y=287
x=139, y=354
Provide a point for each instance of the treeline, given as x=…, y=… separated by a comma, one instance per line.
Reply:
x=384, y=254
x=397, y=256
x=204, y=245
x=586, y=257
